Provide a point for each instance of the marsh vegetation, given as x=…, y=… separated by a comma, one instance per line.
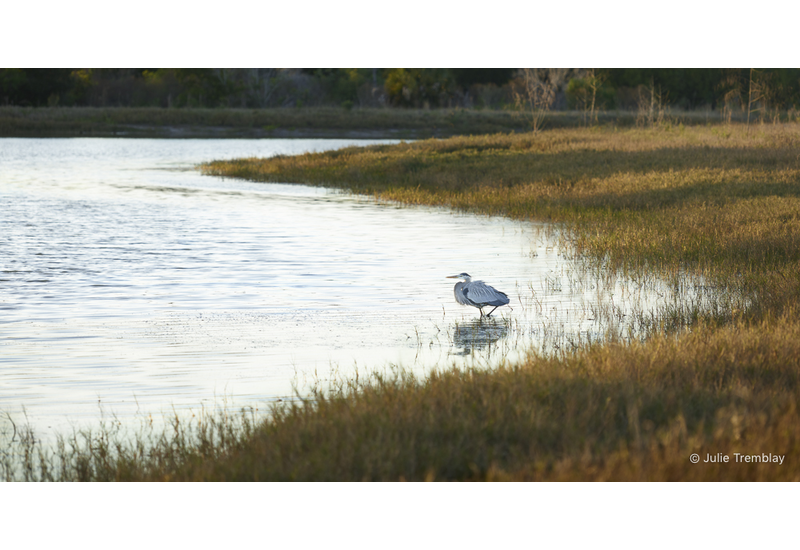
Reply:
x=335, y=122
x=712, y=210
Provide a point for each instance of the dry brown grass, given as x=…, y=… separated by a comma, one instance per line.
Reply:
x=611, y=413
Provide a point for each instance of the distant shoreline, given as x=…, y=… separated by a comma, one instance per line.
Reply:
x=309, y=122
x=216, y=132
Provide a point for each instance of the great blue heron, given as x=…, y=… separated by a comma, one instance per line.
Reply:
x=477, y=294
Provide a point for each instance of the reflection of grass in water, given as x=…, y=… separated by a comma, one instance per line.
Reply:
x=713, y=368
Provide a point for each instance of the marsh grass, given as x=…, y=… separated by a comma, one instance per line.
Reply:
x=574, y=418
x=714, y=202
x=305, y=122
x=712, y=212
x=115, y=451
x=611, y=412
x=292, y=122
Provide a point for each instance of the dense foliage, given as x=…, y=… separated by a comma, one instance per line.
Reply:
x=417, y=88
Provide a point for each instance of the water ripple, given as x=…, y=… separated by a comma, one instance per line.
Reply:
x=126, y=278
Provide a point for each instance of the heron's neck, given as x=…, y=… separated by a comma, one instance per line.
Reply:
x=467, y=279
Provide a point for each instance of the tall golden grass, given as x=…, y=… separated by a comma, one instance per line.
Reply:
x=615, y=412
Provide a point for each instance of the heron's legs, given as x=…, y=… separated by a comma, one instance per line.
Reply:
x=490, y=313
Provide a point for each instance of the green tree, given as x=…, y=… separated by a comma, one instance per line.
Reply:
x=11, y=84
x=419, y=87
x=465, y=78
x=341, y=85
x=34, y=87
x=204, y=87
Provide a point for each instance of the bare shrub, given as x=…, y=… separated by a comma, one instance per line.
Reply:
x=755, y=95
x=536, y=92
x=584, y=93
x=652, y=106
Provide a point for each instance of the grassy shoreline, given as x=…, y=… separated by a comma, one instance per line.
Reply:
x=721, y=202
x=309, y=122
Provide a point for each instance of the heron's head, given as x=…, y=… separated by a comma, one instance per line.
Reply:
x=464, y=276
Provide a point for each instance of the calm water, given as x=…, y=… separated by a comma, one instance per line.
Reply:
x=130, y=282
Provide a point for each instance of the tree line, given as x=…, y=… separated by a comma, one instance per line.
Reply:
x=411, y=88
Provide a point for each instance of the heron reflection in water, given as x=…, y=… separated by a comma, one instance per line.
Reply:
x=478, y=335
x=478, y=294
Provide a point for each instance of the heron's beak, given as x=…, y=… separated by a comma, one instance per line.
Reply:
x=452, y=277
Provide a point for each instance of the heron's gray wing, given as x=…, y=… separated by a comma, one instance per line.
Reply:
x=484, y=295
x=461, y=295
